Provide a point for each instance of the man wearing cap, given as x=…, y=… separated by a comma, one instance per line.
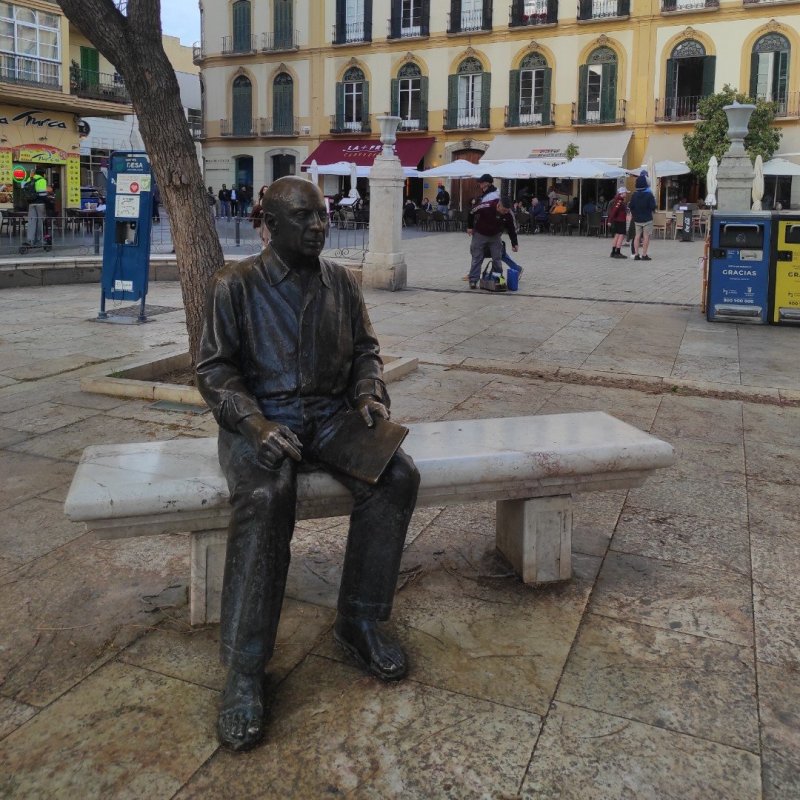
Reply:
x=642, y=205
x=485, y=225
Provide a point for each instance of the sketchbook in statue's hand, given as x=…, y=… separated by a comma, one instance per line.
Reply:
x=349, y=445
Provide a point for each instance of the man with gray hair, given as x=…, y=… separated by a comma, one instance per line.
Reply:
x=288, y=352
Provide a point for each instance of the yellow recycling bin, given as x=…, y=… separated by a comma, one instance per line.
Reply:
x=785, y=305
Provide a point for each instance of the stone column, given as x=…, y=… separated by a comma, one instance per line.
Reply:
x=735, y=173
x=385, y=263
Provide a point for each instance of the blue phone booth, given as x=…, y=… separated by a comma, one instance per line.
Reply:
x=738, y=270
x=126, y=242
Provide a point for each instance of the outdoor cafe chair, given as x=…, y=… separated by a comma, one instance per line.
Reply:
x=438, y=220
x=678, y=224
x=423, y=219
x=660, y=223
x=594, y=222
x=557, y=223
x=573, y=223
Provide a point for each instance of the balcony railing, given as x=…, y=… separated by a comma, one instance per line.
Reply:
x=461, y=119
x=242, y=127
x=603, y=9
x=413, y=31
x=279, y=41
x=419, y=124
x=352, y=32
x=95, y=85
x=677, y=109
x=239, y=44
x=198, y=52
x=468, y=22
x=599, y=117
x=30, y=72
x=669, y=6
x=279, y=126
x=542, y=119
x=544, y=12
x=340, y=125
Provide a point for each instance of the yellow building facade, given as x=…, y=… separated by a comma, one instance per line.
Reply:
x=45, y=94
x=619, y=79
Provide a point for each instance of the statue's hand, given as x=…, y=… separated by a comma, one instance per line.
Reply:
x=271, y=440
x=367, y=406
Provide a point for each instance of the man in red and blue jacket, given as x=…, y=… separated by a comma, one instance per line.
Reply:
x=485, y=225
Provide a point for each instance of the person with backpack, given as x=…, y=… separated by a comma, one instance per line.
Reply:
x=442, y=199
x=617, y=217
x=36, y=195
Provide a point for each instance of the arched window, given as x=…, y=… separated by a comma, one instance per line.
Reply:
x=690, y=77
x=769, y=70
x=242, y=106
x=597, y=87
x=410, y=97
x=352, y=101
x=529, y=92
x=468, y=95
x=283, y=104
x=242, y=39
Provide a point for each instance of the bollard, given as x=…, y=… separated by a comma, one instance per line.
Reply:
x=236, y=231
x=96, y=240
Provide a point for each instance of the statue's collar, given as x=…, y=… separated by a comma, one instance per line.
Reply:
x=277, y=269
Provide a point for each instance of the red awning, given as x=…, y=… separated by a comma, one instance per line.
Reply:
x=363, y=151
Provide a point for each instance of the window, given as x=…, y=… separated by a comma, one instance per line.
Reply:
x=468, y=96
x=284, y=25
x=471, y=15
x=410, y=98
x=30, y=45
x=597, y=91
x=411, y=17
x=283, y=104
x=354, y=15
x=353, y=21
x=242, y=40
x=529, y=93
x=769, y=70
x=352, y=102
x=242, y=106
x=690, y=77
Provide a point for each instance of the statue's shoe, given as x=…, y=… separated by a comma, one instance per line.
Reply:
x=242, y=715
x=377, y=653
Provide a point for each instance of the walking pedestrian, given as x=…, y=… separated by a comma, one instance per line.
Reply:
x=642, y=206
x=224, y=198
x=617, y=215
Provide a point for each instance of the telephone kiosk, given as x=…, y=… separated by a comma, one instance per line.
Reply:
x=126, y=243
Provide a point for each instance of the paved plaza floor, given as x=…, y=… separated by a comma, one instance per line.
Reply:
x=669, y=667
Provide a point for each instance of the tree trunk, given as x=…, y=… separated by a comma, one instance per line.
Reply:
x=132, y=43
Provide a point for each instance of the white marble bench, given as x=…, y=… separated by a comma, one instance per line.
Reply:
x=530, y=466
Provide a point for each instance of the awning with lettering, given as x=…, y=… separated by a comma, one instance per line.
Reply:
x=608, y=146
x=363, y=151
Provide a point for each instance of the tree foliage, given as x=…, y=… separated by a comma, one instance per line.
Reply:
x=129, y=36
x=710, y=136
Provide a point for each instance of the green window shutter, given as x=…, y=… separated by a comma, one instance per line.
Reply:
x=517, y=10
x=365, y=123
x=284, y=24
x=452, y=100
x=487, y=15
x=585, y=9
x=513, y=97
x=583, y=79
x=242, y=107
x=753, y=75
x=780, y=78
x=709, y=68
x=395, y=99
x=394, y=23
x=241, y=26
x=90, y=66
x=340, y=21
x=455, y=16
x=671, y=87
x=423, y=103
x=425, y=24
x=283, y=107
x=546, y=94
x=368, y=20
x=339, y=123
x=486, y=96
x=608, y=93
x=552, y=10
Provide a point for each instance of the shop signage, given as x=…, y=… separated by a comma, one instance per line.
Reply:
x=30, y=118
x=41, y=155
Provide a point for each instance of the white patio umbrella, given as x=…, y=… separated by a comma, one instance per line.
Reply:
x=669, y=169
x=353, y=176
x=313, y=172
x=518, y=169
x=758, y=183
x=460, y=168
x=711, y=182
x=780, y=166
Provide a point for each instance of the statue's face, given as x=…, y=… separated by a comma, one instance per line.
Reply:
x=300, y=223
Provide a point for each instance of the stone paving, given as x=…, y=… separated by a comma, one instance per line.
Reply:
x=668, y=667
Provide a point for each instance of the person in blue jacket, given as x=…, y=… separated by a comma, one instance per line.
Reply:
x=642, y=205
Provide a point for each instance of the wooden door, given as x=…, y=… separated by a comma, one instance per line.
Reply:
x=462, y=191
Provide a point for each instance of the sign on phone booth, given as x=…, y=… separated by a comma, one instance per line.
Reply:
x=126, y=243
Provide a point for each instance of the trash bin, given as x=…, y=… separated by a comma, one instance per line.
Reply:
x=785, y=271
x=739, y=267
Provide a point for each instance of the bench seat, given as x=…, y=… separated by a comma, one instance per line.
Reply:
x=530, y=466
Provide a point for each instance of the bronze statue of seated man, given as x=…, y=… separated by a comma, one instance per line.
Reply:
x=287, y=349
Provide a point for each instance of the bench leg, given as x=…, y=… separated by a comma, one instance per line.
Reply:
x=535, y=536
x=208, y=568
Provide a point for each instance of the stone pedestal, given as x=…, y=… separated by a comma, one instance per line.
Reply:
x=735, y=173
x=385, y=263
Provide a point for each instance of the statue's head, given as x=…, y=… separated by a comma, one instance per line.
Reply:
x=295, y=213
